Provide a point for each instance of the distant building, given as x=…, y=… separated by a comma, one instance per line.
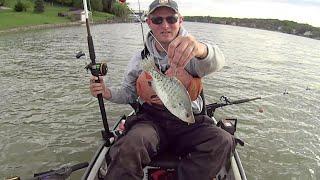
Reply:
x=308, y=33
x=74, y=15
x=83, y=17
x=135, y=16
x=140, y=13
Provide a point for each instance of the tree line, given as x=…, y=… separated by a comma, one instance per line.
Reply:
x=284, y=26
x=108, y=6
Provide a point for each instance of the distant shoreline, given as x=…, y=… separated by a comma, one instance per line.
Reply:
x=284, y=26
x=111, y=21
x=49, y=26
x=38, y=27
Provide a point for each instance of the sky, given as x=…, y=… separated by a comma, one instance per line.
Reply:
x=301, y=11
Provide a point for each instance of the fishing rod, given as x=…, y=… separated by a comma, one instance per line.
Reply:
x=97, y=69
x=226, y=102
x=90, y=41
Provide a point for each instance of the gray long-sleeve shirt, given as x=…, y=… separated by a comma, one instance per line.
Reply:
x=126, y=93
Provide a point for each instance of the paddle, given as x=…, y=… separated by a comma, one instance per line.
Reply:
x=58, y=174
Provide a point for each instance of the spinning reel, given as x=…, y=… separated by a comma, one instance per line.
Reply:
x=97, y=69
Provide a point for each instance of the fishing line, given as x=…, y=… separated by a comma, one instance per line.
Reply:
x=144, y=42
x=226, y=100
x=286, y=92
x=90, y=12
x=90, y=102
x=140, y=20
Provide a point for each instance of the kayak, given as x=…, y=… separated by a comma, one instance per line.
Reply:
x=164, y=166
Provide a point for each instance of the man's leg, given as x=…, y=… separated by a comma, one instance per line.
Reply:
x=206, y=148
x=131, y=152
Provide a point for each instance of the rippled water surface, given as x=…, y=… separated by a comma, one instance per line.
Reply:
x=48, y=118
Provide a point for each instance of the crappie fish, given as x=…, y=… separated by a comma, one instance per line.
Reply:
x=170, y=91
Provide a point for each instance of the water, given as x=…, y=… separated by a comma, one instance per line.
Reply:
x=48, y=118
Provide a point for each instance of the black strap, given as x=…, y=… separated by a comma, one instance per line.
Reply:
x=145, y=52
x=204, y=108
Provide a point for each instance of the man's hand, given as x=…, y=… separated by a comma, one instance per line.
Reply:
x=182, y=75
x=99, y=87
x=182, y=49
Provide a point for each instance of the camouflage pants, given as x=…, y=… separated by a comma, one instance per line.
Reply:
x=204, y=147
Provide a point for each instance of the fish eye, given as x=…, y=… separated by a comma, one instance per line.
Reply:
x=188, y=115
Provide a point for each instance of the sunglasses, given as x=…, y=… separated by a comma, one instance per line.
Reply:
x=170, y=19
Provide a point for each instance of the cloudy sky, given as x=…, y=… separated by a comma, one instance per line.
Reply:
x=302, y=11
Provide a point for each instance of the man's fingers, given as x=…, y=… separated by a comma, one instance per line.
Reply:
x=156, y=100
x=174, y=51
x=173, y=45
x=186, y=55
x=179, y=53
x=93, y=79
x=182, y=50
x=96, y=91
x=189, y=58
x=97, y=86
x=170, y=72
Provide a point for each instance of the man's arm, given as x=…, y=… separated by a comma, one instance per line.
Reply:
x=198, y=58
x=214, y=61
x=124, y=94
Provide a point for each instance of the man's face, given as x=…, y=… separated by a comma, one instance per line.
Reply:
x=168, y=29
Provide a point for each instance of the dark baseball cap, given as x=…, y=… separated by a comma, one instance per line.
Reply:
x=163, y=3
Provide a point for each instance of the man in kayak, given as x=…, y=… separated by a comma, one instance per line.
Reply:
x=203, y=147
